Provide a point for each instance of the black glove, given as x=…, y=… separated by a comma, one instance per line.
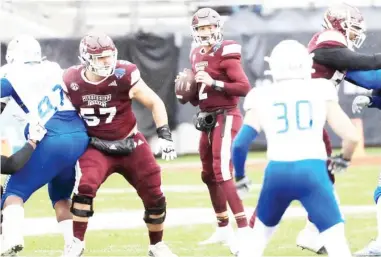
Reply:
x=118, y=147
x=338, y=164
x=164, y=132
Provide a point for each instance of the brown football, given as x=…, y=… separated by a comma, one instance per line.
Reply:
x=186, y=87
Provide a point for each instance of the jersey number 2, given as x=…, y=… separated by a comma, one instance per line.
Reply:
x=303, y=114
x=92, y=120
x=201, y=94
x=50, y=103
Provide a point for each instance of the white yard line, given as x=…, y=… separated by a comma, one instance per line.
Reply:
x=175, y=217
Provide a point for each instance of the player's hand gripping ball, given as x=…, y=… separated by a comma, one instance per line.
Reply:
x=185, y=86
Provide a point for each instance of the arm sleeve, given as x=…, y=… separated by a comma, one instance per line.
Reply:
x=239, y=85
x=342, y=58
x=367, y=79
x=376, y=102
x=15, y=162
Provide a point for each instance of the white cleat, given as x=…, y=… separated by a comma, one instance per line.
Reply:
x=75, y=249
x=12, y=246
x=311, y=240
x=225, y=236
x=372, y=249
x=160, y=250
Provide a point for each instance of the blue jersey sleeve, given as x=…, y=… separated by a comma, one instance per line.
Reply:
x=376, y=102
x=370, y=79
x=6, y=88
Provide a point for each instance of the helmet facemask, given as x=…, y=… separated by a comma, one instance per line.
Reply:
x=96, y=66
x=205, y=37
x=355, y=32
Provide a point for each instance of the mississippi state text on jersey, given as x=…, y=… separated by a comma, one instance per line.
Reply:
x=104, y=105
x=217, y=64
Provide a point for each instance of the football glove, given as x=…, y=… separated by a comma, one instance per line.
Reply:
x=36, y=131
x=165, y=144
x=243, y=186
x=360, y=102
x=338, y=164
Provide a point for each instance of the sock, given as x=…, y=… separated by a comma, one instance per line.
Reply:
x=79, y=229
x=335, y=242
x=256, y=244
x=155, y=237
x=13, y=221
x=235, y=203
x=66, y=227
x=378, y=213
x=222, y=221
x=218, y=198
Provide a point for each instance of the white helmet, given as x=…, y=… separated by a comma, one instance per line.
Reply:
x=290, y=60
x=23, y=49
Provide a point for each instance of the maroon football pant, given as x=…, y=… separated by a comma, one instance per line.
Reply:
x=217, y=167
x=139, y=168
x=328, y=148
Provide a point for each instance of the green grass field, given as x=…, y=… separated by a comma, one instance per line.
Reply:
x=355, y=188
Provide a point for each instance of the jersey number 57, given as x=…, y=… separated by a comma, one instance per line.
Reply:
x=92, y=119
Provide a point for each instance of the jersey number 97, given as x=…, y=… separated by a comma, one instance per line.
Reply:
x=52, y=102
x=303, y=114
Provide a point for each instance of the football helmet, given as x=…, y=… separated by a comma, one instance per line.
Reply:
x=23, y=49
x=349, y=21
x=207, y=17
x=93, y=47
x=290, y=60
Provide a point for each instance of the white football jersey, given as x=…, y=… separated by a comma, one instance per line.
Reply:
x=39, y=87
x=292, y=114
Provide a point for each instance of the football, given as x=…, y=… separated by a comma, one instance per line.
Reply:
x=185, y=86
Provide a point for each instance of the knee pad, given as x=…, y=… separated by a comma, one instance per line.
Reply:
x=82, y=199
x=160, y=208
x=208, y=178
x=377, y=194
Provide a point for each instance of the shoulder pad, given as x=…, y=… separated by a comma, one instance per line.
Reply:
x=230, y=48
x=128, y=70
x=331, y=37
x=327, y=88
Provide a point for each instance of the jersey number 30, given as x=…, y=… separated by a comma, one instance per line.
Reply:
x=303, y=115
x=92, y=119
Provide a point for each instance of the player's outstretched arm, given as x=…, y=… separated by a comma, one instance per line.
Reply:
x=343, y=58
x=366, y=79
x=15, y=162
x=343, y=127
x=146, y=96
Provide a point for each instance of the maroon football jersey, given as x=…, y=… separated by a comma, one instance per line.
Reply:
x=325, y=39
x=104, y=105
x=208, y=98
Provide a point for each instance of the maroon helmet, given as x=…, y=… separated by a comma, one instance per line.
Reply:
x=93, y=47
x=207, y=17
x=347, y=20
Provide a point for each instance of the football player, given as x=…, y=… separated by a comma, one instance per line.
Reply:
x=102, y=89
x=292, y=112
x=36, y=85
x=219, y=83
x=334, y=54
x=369, y=80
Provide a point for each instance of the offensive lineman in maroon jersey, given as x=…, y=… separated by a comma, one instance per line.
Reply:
x=101, y=89
x=334, y=54
x=221, y=80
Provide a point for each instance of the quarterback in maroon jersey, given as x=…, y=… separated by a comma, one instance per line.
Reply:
x=334, y=54
x=101, y=89
x=220, y=81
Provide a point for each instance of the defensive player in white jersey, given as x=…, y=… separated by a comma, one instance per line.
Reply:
x=292, y=112
x=36, y=85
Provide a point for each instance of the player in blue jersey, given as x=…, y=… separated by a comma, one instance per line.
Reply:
x=36, y=85
x=292, y=112
x=369, y=80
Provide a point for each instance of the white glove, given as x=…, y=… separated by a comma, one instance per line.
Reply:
x=167, y=149
x=359, y=103
x=36, y=131
x=243, y=187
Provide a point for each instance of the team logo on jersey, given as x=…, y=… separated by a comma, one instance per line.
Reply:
x=200, y=66
x=100, y=100
x=113, y=84
x=74, y=86
x=119, y=73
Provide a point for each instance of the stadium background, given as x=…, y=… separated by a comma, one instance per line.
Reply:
x=157, y=37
